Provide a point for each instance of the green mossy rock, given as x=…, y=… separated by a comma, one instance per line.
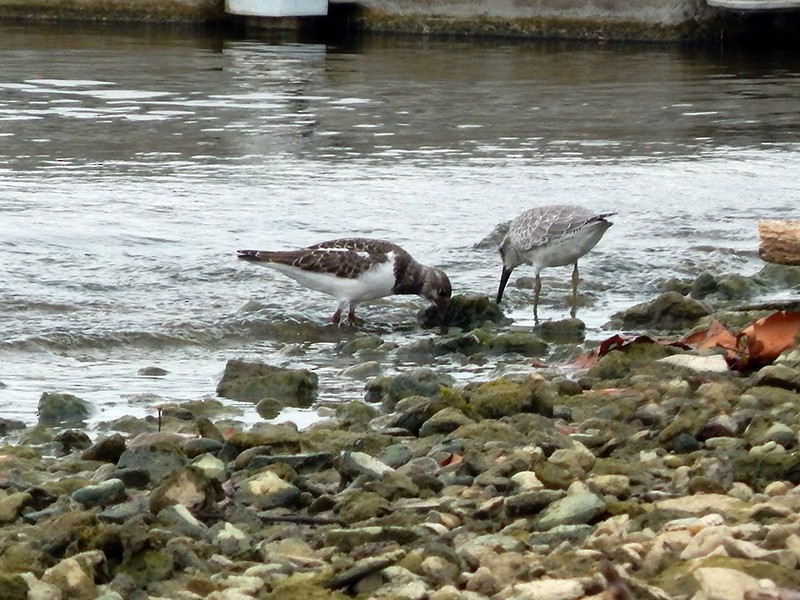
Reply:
x=518, y=342
x=253, y=381
x=669, y=311
x=13, y=587
x=758, y=471
x=506, y=397
x=57, y=408
x=462, y=310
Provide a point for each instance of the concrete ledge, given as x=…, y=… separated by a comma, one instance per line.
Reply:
x=114, y=10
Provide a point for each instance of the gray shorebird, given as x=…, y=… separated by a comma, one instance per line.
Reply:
x=354, y=270
x=550, y=236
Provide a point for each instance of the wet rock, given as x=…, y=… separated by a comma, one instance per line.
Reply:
x=202, y=445
x=14, y=586
x=107, y=449
x=669, y=311
x=8, y=425
x=188, y=486
x=73, y=440
x=780, y=376
x=106, y=492
x=266, y=490
x=58, y=409
x=468, y=344
x=363, y=568
x=354, y=537
x=354, y=464
x=562, y=331
x=211, y=466
x=416, y=382
x=462, y=310
x=355, y=414
x=269, y=408
x=718, y=426
x=230, y=540
x=573, y=509
x=505, y=397
x=781, y=277
x=357, y=506
x=364, y=370
x=253, y=381
x=518, y=342
x=70, y=577
x=11, y=506
x=443, y=422
x=152, y=371
x=157, y=454
x=359, y=344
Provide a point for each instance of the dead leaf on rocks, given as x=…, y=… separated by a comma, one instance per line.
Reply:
x=619, y=341
x=756, y=346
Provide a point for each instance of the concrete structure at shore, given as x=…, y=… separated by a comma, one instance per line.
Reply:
x=639, y=20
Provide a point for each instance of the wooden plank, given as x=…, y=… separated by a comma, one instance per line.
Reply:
x=780, y=242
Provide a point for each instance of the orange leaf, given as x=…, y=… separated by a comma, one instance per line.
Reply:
x=451, y=459
x=768, y=337
x=717, y=335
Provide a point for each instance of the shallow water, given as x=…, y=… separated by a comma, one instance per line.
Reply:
x=132, y=166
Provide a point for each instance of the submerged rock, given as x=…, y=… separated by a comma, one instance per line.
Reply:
x=254, y=381
x=669, y=311
x=462, y=310
x=57, y=409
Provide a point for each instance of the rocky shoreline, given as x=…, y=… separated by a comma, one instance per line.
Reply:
x=641, y=476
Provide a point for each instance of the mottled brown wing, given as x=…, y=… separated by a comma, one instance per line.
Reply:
x=368, y=245
x=336, y=260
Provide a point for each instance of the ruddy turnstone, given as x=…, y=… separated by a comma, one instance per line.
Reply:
x=550, y=236
x=354, y=270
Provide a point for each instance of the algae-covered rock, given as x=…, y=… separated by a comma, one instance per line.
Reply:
x=253, y=381
x=669, y=311
x=13, y=587
x=416, y=382
x=158, y=454
x=505, y=397
x=189, y=487
x=779, y=276
x=57, y=409
x=518, y=342
x=573, y=509
x=362, y=506
x=107, y=449
x=759, y=470
x=462, y=310
x=561, y=331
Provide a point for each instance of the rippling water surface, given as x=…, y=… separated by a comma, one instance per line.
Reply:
x=132, y=166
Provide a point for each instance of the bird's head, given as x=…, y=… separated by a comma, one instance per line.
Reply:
x=436, y=286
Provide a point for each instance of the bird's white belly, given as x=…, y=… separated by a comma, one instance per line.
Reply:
x=377, y=282
x=567, y=249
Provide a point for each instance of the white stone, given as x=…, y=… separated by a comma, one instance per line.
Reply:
x=718, y=583
x=714, y=363
x=545, y=589
x=526, y=481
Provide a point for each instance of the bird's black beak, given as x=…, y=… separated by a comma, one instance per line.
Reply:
x=503, y=281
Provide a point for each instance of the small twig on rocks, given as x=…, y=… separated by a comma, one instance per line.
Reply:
x=301, y=519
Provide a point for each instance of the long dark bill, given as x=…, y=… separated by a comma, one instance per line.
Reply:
x=503, y=281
